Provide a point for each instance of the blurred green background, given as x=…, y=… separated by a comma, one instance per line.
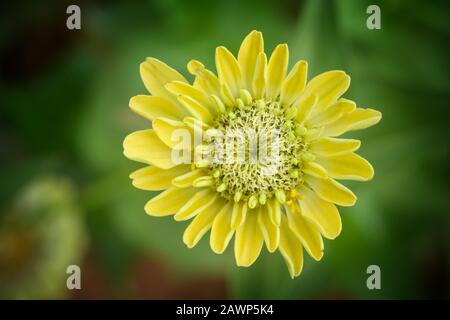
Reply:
x=65, y=195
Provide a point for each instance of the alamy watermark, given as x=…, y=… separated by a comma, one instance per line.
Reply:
x=74, y=278
x=374, y=280
x=74, y=19
x=374, y=20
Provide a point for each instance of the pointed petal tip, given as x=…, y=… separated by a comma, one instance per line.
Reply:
x=148, y=211
x=273, y=249
x=244, y=264
x=318, y=258
x=334, y=236
x=294, y=273
x=221, y=50
x=216, y=249
x=187, y=241
x=189, y=245
x=377, y=114
x=282, y=48
x=152, y=60
x=195, y=66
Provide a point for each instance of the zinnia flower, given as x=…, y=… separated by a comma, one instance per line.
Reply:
x=288, y=201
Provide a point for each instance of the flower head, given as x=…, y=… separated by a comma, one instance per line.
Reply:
x=250, y=153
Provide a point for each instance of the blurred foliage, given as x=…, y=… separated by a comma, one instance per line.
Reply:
x=64, y=111
x=41, y=234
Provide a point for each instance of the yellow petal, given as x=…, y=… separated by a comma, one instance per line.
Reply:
x=290, y=248
x=328, y=86
x=205, y=80
x=166, y=129
x=323, y=213
x=228, y=70
x=185, y=180
x=151, y=107
x=227, y=96
x=307, y=233
x=198, y=202
x=313, y=134
x=294, y=83
x=196, y=125
x=221, y=232
x=248, y=241
x=238, y=214
x=155, y=74
x=331, y=190
x=270, y=232
x=169, y=201
x=347, y=166
x=327, y=147
x=305, y=106
x=356, y=120
x=276, y=70
x=314, y=169
x=274, y=211
x=154, y=179
x=202, y=223
x=179, y=88
x=145, y=146
x=259, y=79
x=196, y=109
x=251, y=47
x=334, y=112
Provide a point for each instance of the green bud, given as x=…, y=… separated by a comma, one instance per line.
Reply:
x=281, y=196
x=252, y=202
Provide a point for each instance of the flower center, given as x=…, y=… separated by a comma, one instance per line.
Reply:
x=256, y=152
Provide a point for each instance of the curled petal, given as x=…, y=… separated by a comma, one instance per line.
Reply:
x=276, y=70
x=356, y=120
x=179, y=88
x=196, y=204
x=205, y=80
x=154, y=179
x=328, y=86
x=331, y=190
x=270, y=232
x=229, y=70
x=239, y=214
x=323, y=213
x=290, y=248
x=294, y=83
x=202, y=223
x=156, y=74
x=307, y=233
x=259, y=79
x=248, y=240
x=347, y=166
x=145, y=146
x=165, y=129
x=251, y=47
x=221, y=232
x=169, y=201
x=151, y=107
x=327, y=147
x=186, y=180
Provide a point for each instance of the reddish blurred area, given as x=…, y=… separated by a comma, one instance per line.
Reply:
x=147, y=277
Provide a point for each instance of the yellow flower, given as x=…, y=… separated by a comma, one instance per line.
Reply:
x=286, y=200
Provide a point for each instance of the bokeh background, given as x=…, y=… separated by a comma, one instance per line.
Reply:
x=65, y=195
